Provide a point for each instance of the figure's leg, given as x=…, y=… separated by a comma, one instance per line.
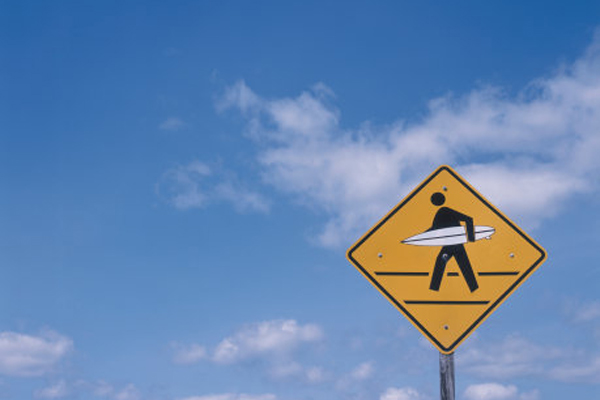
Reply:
x=465, y=267
x=438, y=271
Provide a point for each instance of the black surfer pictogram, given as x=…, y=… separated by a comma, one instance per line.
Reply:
x=448, y=231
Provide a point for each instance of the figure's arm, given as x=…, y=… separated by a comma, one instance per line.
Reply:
x=470, y=226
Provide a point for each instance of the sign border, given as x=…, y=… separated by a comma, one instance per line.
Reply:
x=490, y=309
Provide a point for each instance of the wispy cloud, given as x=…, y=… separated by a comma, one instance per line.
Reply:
x=582, y=312
x=516, y=356
x=233, y=396
x=187, y=354
x=265, y=338
x=270, y=337
x=274, y=344
x=99, y=389
x=357, y=376
x=29, y=355
x=578, y=370
x=274, y=341
x=512, y=357
x=298, y=372
x=172, y=124
x=405, y=393
x=363, y=371
x=496, y=391
x=55, y=391
x=527, y=153
x=129, y=392
x=198, y=185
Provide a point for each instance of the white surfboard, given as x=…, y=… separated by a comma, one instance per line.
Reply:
x=448, y=236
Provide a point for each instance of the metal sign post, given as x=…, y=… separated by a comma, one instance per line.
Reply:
x=447, y=376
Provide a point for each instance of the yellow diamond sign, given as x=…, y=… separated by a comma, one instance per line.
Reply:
x=446, y=258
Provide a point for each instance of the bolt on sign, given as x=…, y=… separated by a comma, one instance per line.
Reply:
x=446, y=258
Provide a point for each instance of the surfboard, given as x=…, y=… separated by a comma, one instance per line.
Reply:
x=449, y=236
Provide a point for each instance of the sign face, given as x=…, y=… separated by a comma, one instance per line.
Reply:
x=446, y=258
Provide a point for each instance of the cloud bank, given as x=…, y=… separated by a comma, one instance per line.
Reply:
x=527, y=153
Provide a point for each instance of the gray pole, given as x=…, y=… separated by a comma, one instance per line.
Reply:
x=447, y=376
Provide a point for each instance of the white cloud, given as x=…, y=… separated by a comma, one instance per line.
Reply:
x=491, y=391
x=172, y=124
x=273, y=345
x=517, y=357
x=536, y=192
x=406, y=393
x=187, y=354
x=356, y=377
x=197, y=185
x=588, y=312
x=129, y=392
x=233, y=396
x=101, y=389
x=316, y=374
x=97, y=389
x=363, y=371
x=181, y=185
x=287, y=370
x=514, y=356
x=265, y=338
x=527, y=153
x=242, y=199
x=56, y=391
x=497, y=391
x=292, y=369
x=240, y=96
x=582, y=312
x=581, y=371
x=531, y=395
x=28, y=355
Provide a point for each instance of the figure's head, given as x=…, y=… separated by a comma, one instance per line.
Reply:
x=437, y=199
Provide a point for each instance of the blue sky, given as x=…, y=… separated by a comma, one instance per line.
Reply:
x=181, y=181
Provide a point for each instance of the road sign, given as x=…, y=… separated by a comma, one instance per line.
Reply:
x=446, y=258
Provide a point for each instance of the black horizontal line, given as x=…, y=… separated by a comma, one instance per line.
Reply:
x=386, y=273
x=456, y=302
x=507, y=273
x=403, y=273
